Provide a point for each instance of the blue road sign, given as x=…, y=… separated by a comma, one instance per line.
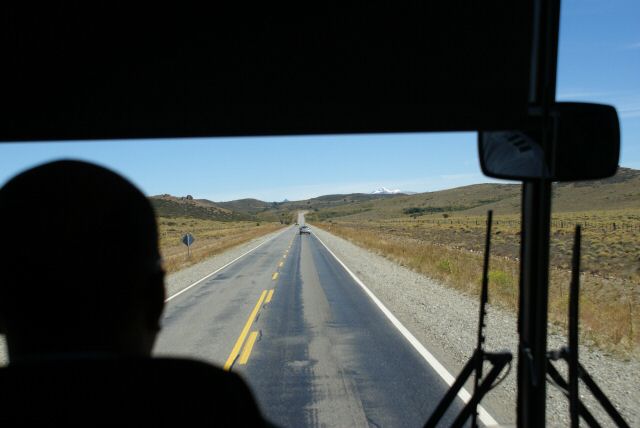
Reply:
x=188, y=239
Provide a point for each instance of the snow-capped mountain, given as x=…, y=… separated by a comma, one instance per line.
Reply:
x=385, y=191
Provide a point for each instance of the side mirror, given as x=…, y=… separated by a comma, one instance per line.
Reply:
x=585, y=145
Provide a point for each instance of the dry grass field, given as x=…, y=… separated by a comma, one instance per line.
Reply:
x=450, y=250
x=211, y=237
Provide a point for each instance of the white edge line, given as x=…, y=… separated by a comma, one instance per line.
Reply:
x=464, y=395
x=219, y=269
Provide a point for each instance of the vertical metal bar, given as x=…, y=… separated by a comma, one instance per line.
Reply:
x=574, y=297
x=532, y=325
x=536, y=216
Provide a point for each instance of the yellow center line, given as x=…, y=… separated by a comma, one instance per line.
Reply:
x=269, y=296
x=275, y=276
x=246, y=351
x=280, y=264
x=284, y=257
x=236, y=348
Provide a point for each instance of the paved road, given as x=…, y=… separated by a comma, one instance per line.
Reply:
x=313, y=346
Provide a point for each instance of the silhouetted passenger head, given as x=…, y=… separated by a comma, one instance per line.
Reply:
x=79, y=263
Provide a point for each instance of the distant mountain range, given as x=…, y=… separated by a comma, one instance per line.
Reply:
x=617, y=192
x=385, y=191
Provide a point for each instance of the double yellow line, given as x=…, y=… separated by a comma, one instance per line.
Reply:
x=240, y=353
x=246, y=351
x=243, y=335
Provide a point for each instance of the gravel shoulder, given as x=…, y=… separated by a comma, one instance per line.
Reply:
x=445, y=322
x=180, y=280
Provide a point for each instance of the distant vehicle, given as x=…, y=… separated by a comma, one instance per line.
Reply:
x=305, y=229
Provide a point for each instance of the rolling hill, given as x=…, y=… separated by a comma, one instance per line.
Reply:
x=254, y=209
x=618, y=192
x=248, y=206
x=174, y=206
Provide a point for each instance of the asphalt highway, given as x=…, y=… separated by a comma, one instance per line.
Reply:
x=313, y=346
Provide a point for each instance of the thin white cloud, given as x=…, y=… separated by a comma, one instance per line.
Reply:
x=584, y=94
x=631, y=46
x=629, y=112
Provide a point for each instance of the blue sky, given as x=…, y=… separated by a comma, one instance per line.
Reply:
x=273, y=168
x=599, y=61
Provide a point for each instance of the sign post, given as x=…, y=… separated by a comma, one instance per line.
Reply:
x=188, y=240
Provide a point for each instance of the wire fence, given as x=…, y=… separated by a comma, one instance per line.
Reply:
x=555, y=224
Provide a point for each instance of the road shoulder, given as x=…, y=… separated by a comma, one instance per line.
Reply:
x=445, y=322
x=178, y=281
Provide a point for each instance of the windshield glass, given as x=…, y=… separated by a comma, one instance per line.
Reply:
x=331, y=271
x=339, y=275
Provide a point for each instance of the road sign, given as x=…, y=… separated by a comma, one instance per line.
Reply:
x=188, y=239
